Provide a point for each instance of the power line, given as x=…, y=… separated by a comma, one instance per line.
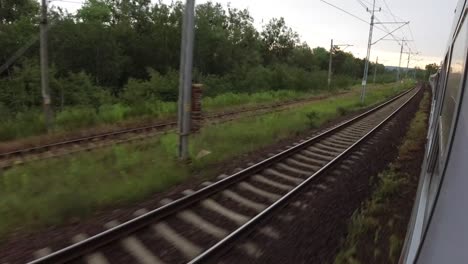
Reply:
x=369, y=3
x=390, y=33
x=395, y=19
x=385, y=29
x=362, y=4
x=370, y=43
x=341, y=9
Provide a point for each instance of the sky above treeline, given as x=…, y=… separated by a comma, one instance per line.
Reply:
x=318, y=22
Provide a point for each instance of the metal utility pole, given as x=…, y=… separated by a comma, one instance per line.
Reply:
x=407, y=65
x=369, y=45
x=330, y=65
x=375, y=68
x=410, y=55
x=185, y=80
x=399, y=64
x=48, y=116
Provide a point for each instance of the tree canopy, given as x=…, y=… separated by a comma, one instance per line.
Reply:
x=116, y=45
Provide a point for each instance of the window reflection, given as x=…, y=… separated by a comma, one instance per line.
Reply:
x=454, y=80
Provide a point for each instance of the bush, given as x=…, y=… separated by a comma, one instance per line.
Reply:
x=159, y=87
x=387, y=77
x=342, y=81
x=342, y=111
x=73, y=118
x=77, y=89
x=113, y=113
x=22, y=125
x=153, y=109
x=313, y=118
x=214, y=85
x=256, y=79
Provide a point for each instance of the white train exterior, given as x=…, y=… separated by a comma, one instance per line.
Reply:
x=438, y=229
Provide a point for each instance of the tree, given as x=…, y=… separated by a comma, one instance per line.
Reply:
x=431, y=69
x=321, y=58
x=101, y=54
x=13, y=10
x=95, y=11
x=279, y=40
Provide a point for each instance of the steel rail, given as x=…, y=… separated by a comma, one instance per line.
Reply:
x=88, y=245
x=82, y=139
x=37, y=149
x=243, y=230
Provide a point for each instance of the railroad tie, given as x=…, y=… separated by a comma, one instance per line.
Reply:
x=329, y=154
x=42, y=252
x=286, y=167
x=330, y=179
x=251, y=249
x=140, y=212
x=166, y=201
x=93, y=258
x=214, y=206
x=341, y=140
x=309, y=160
x=136, y=248
x=260, y=178
x=297, y=204
x=270, y=232
x=206, y=184
x=222, y=176
x=320, y=158
x=207, y=227
x=244, y=201
x=283, y=176
x=322, y=187
x=335, y=144
x=286, y=218
x=268, y=195
x=185, y=246
x=328, y=148
x=188, y=192
x=308, y=167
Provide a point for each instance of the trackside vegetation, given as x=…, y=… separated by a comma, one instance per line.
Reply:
x=377, y=231
x=115, y=61
x=115, y=115
x=53, y=191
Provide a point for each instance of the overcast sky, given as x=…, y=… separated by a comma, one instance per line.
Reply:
x=317, y=23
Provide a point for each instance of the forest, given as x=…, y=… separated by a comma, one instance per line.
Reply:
x=119, y=59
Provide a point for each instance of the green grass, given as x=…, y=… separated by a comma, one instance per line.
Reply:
x=72, y=119
x=381, y=214
x=52, y=191
x=69, y=119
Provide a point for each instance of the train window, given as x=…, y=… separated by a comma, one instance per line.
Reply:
x=454, y=81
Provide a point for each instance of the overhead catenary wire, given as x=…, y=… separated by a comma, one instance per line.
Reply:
x=395, y=18
x=362, y=3
x=390, y=33
x=412, y=50
x=385, y=30
x=349, y=13
x=373, y=25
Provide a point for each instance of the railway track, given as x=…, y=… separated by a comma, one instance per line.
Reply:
x=57, y=149
x=202, y=224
